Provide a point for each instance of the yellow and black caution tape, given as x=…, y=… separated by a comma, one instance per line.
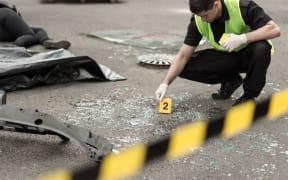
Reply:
x=185, y=138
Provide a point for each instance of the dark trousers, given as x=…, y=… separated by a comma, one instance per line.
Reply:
x=211, y=66
x=12, y=27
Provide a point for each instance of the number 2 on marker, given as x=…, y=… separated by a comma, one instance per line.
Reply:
x=165, y=106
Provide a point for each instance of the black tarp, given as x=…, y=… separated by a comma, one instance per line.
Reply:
x=21, y=68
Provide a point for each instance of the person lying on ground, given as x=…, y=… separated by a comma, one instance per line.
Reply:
x=14, y=29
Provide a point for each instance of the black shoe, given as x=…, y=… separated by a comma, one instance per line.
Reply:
x=243, y=99
x=227, y=89
x=52, y=44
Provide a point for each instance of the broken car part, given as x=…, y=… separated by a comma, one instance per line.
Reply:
x=32, y=121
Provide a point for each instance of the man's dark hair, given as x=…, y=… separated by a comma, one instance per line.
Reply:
x=197, y=6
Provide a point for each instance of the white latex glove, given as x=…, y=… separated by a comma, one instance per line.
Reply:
x=161, y=91
x=234, y=41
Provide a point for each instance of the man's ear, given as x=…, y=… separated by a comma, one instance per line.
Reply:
x=217, y=3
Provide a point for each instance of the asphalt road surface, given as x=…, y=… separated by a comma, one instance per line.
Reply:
x=125, y=112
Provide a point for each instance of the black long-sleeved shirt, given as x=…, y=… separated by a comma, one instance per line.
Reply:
x=253, y=16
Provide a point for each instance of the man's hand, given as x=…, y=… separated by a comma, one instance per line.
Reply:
x=234, y=41
x=161, y=91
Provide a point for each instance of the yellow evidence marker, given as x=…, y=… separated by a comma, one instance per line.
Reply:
x=165, y=106
x=223, y=37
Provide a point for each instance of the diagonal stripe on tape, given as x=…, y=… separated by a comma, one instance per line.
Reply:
x=182, y=142
x=58, y=175
x=157, y=149
x=214, y=127
x=278, y=104
x=87, y=172
x=261, y=110
x=125, y=164
x=183, y=139
x=238, y=118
